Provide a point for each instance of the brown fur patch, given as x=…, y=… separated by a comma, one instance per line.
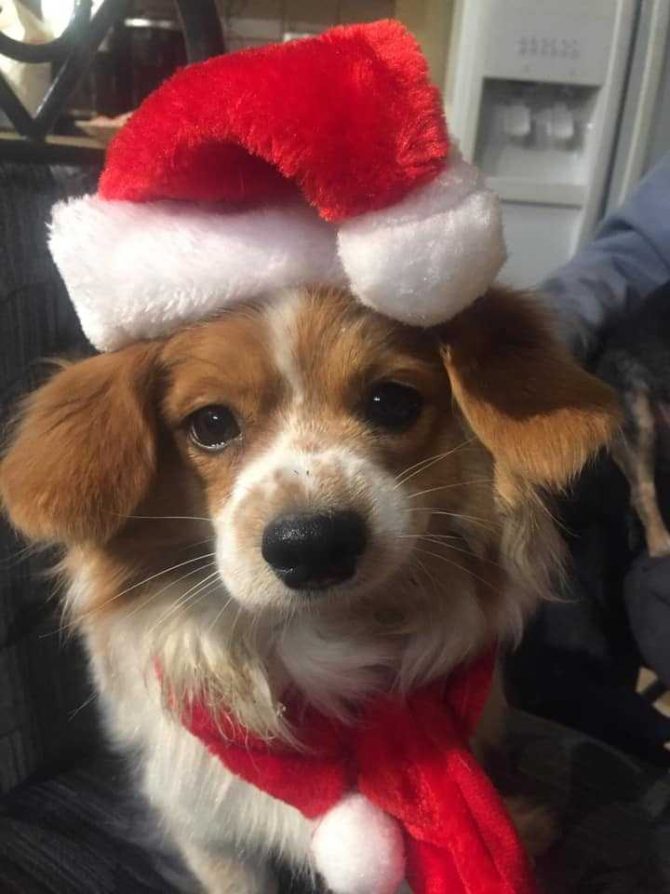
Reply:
x=228, y=362
x=539, y=414
x=84, y=452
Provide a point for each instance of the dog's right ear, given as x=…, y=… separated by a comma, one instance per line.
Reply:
x=84, y=451
x=540, y=415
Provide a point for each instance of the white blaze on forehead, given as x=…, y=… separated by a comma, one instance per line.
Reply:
x=282, y=320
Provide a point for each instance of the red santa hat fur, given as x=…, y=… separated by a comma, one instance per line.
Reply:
x=321, y=161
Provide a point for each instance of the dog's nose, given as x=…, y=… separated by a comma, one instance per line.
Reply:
x=310, y=552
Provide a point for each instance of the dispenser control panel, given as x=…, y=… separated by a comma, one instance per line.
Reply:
x=567, y=42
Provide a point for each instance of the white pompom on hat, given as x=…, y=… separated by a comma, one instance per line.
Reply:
x=324, y=161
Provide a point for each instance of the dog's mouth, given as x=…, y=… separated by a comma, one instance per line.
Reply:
x=300, y=577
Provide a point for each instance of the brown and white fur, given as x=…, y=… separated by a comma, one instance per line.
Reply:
x=162, y=539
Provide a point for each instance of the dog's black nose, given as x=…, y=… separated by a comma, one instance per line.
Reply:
x=310, y=552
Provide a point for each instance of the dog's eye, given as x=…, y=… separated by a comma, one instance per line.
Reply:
x=393, y=406
x=212, y=427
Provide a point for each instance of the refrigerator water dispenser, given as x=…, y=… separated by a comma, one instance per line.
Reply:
x=533, y=94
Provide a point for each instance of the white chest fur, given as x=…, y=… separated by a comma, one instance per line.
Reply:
x=197, y=799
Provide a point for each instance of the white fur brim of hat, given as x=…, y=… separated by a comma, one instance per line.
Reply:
x=142, y=270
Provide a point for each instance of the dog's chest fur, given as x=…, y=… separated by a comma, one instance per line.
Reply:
x=195, y=796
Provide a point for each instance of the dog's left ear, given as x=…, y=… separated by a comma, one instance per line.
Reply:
x=540, y=415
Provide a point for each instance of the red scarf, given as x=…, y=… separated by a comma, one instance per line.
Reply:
x=412, y=760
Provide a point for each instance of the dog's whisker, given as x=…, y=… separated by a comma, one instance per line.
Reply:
x=219, y=614
x=432, y=580
x=207, y=580
x=463, y=568
x=183, y=600
x=17, y=556
x=400, y=476
x=432, y=490
x=165, y=571
x=438, y=540
x=206, y=593
x=193, y=600
x=254, y=627
x=436, y=457
x=167, y=517
x=459, y=516
x=238, y=614
x=87, y=701
x=424, y=464
x=430, y=534
x=82, y=615
x=191, y=544
x=142, y=604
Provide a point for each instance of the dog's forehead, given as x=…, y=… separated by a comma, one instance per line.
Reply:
x=312, y=337
x=302, y=343
x=323, y=343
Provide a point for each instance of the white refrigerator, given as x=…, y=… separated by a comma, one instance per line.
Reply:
x=564, y=104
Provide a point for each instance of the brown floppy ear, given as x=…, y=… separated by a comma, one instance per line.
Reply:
x=83, y=453
x=532, y=406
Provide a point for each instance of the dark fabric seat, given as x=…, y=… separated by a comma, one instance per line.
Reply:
x=76, y=832
x=647, y=600
x=66, y=833
x=66, y=823
x=612, y=812
x=579, y=660
x=42, y=673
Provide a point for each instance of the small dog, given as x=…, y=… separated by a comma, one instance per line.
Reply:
x=299, y=494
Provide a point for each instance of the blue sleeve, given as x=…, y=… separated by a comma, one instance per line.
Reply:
x=626, y=261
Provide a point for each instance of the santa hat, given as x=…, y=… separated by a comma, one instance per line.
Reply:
x=321, y=161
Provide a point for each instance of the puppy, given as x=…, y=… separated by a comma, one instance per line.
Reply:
x=299, y=494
